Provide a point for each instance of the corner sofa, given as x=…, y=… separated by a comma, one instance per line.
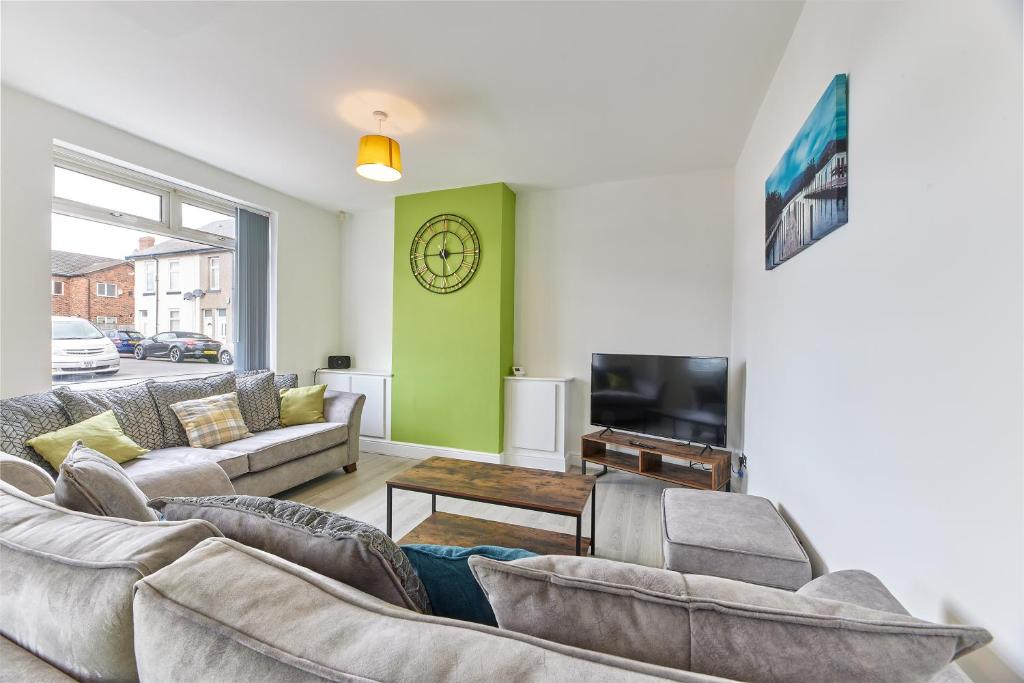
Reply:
x=272, y=460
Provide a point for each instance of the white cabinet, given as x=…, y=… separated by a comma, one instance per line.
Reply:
x=376, y=386
x=535, y=410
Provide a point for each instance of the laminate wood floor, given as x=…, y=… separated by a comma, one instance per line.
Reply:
x=628, y=507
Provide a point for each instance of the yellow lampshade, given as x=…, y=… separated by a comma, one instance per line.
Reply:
x=380, y=158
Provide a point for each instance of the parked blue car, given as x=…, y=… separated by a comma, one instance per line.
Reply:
x=124, y=340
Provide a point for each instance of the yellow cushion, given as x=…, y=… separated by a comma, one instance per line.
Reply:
x=101, y=433
x=212, y=420
x=303, y=405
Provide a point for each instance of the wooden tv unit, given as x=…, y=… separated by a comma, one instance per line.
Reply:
x=653, y=459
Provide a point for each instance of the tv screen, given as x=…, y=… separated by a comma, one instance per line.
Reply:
x=676, y=397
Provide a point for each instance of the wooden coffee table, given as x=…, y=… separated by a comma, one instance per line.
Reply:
x=518, y=487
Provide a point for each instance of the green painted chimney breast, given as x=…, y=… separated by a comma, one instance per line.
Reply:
x=451, y=351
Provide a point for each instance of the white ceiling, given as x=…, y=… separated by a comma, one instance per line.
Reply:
x=536, y=94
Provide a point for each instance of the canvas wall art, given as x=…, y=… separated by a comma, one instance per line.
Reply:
x=805, y=196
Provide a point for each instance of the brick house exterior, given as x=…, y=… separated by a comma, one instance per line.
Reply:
x=99, y=289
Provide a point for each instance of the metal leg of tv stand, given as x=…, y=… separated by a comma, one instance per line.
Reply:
x=604, y=469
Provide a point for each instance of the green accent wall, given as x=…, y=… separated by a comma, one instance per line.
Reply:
x=451, y=351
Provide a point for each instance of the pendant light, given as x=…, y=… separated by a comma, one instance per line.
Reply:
x=379, y=156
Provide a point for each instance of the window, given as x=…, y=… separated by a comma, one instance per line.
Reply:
x=175, y=237
x=149, y=273
x=174, y=276
x=119, y=199
x=214, y=274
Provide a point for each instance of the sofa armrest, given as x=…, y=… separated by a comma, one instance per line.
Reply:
x=184, y=479
x=25, y=475
x=346, y=408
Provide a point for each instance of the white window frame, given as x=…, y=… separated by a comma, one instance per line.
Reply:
x=53, y=288
x=106, y=320
x=149, y=268
x=214, y=260
x=171, y=197
x=173, y=275
x=173, y=316
x=106, y=290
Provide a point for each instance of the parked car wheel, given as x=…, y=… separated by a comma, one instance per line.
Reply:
x=175, y=355
x=140, y=353
x=225, y=358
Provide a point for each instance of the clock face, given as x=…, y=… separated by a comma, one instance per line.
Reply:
x=445, y=254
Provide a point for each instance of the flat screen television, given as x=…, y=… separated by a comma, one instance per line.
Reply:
x=676, y=397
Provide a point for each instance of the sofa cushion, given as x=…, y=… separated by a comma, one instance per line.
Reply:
x=732, y=536
x=169, y=477
x=102, y=433
x=259, y=401
x=24, y=475
x=166, y=394
x=444, y=571
x=91, y=482
x=234, y=463
x=712, y=625
x=303, y=405
x=26, y=417
x=211, y=421
x=227, y=612
x=277, y=446
x=66, y=581
x=359, y=554
x=132, y=405
x=21, y=665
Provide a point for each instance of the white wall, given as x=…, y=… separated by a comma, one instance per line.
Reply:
x=367, y=255
x=641, y=266
x=308, y=240
x=882, y=367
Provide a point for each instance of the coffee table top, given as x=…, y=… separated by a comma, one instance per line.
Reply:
x=558, y=492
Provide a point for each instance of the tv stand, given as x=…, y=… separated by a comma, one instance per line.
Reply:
x=653, y=460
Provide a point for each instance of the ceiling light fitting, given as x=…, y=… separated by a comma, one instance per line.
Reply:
x=379, y=157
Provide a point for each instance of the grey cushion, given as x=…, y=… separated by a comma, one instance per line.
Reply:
x=234, y=463
x=227, y=612
x=186, y=478
x=24, y=475
x=66, y=581
x=259, y=401
x=334, y=545
x=166, y=394
x=277, y=446
x=132, y=405
x=21, y=665
x=733, y=536
x=712, y=625
x=26, y=417
x=286, y=381
x=865, y=589
x=91, y=482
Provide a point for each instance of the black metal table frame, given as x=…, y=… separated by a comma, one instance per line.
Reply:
x=577, y=517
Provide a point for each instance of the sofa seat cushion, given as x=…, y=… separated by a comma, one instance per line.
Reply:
x=234, y=463
x=66, y=581
x=277, y=446
x=733, y=536
x=227, y=612
x=21, y=665
x=715, y=626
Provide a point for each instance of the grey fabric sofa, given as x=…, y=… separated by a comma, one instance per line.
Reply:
x=264, y=464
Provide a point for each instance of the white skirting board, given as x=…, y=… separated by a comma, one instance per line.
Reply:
x=418, y=451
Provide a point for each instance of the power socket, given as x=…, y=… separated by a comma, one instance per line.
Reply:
x=743, y=465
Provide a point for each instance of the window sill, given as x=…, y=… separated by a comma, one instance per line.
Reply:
x=149, y=294
x=177, y=292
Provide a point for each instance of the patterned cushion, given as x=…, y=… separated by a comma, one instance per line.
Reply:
x=258, y=399
x=211, y=421
x=167, y=393
x=288, y=381
x=132, y=405
x=344, y=549
x=26, y=417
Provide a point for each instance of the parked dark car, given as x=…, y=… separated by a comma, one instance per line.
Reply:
x=124, y=340
x=178, y=346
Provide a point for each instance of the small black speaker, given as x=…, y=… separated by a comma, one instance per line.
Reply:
x=339, y=362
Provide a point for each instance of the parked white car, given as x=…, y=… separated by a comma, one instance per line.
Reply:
x=79, y=348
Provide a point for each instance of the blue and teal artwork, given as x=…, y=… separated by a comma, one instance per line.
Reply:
x=805, y=196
